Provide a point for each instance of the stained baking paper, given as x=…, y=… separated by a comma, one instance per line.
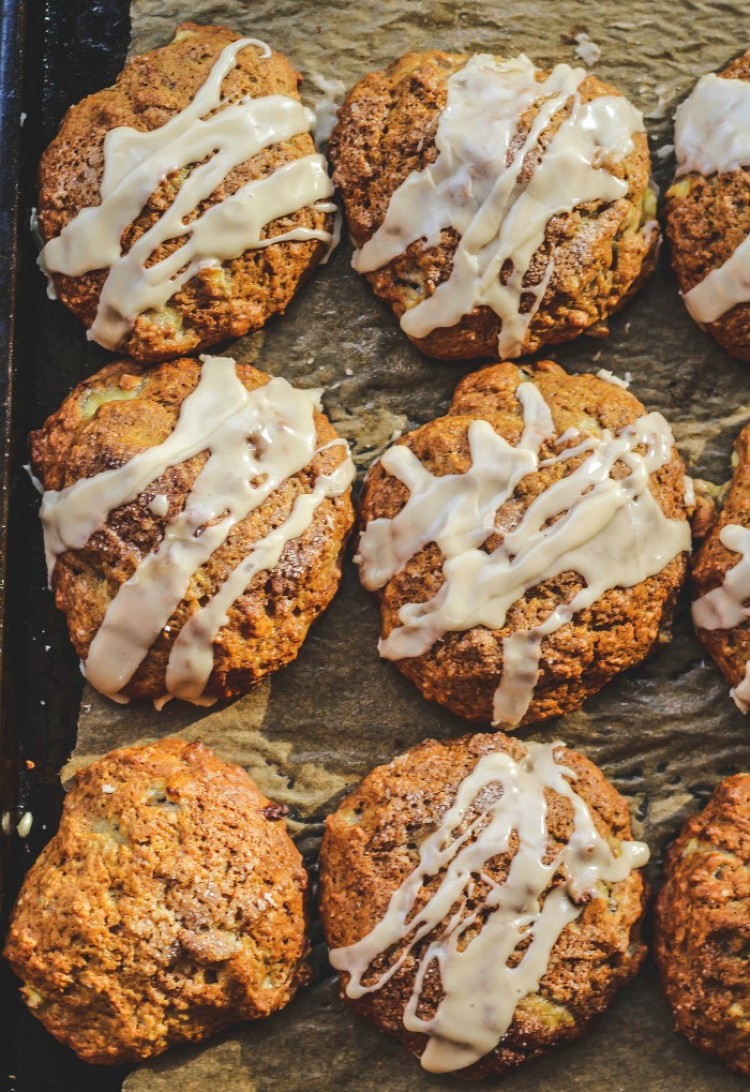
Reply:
x=665, y=732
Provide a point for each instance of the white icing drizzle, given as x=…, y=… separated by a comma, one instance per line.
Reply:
x=712, y=136
x=722, y=288
x=480, y=991
x=333, y=93
x=474, y=187
x=712, y=127
x=613, y=533
x=725, y=607
x=255, y=440
x=338, y=224
x=222, y=132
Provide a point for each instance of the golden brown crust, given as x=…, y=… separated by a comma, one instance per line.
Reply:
x=371, y=845
x=706, y=219
x=703, y=926
x=126, y=408
x=462, y=670
x=386, y=129
x=730, y=648
x=152, y=88
x=170, y=903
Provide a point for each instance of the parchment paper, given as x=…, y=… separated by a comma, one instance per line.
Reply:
x=665, y=732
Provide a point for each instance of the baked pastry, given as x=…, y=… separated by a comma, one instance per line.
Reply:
x=703, y=926
x=708, y=205
x=495, y=207
x=160, y=197
x=482, y=900
x=529, y=545
x=721, y=582
x=195, y=516
x=170, y=903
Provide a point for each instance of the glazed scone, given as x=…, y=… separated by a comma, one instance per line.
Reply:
x=438, y=869
x=708, y=205
x=703, y=926
x=721, y=582
x=170, y=903
x=158, y=197
x=195, y=516
x=528, y=546
x=519, y=217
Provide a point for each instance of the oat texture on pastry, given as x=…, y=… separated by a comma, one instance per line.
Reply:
x=187, y=203
x=195, y=516
x=721, y=581
x=169, y=904
x=482, y=900
x=702, y=926
x=529, y=545
x=708, y=205
x=495, y=207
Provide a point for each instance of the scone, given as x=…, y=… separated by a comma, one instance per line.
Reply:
x=169, y=904
x=708, y=205
x=187, y=203
x=495, y=207
x=482, y=899
x=528, y=546
x=703, y=926
x=721, y=582
x=195, y=516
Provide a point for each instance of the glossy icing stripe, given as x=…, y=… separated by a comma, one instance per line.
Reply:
x=476, y=187
x=211, y=136
x=712, y=127
x=255, y=440
x=479, y=990
x=725, y=607
x=712, y=136
x=611, y=531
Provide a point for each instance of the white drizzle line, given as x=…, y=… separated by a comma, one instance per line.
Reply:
x=333, y=93
x=472, y=188
x=255, y=440
x=613, y=533
x=481, y=992
x=725, y=607
x=326, y=115
x=712, y=136
x=225, y=133
x=712, y=127
x=722, y=288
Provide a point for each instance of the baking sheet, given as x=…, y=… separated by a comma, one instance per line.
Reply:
x=665, y=732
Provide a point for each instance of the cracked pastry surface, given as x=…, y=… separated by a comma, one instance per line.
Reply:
x=703, y=926
x=125, y=412
x=371, y=850
x=707, y=218
x=169, y=904
x=461, y=662
x=222, y=298
x=720, y=584
x=603, y=250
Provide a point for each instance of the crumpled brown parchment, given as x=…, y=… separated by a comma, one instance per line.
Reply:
x=665, y=732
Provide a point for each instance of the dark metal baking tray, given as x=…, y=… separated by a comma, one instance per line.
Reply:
x=52, y=53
